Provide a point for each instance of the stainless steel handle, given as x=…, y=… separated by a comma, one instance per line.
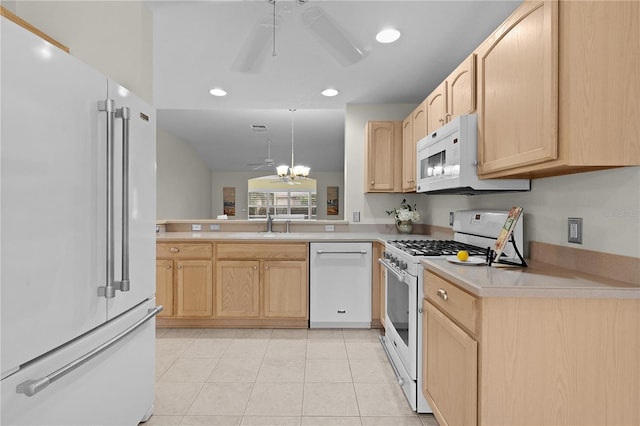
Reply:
x=389, y=268
x=33, y=386
x=442, y=293
x=342, y=311
x=125, y=114
x=341, y=251
x=108, y=290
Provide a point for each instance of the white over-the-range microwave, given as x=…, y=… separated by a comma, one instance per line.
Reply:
x=447, y=162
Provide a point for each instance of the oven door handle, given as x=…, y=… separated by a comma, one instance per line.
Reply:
x=390, y=268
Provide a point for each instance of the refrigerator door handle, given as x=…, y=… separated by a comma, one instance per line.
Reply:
x=109, y=290
x=33, y=386
x=125, y=114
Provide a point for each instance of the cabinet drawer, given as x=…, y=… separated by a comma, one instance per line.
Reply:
x=458, y=304
x=184, y=251
x=262, y=251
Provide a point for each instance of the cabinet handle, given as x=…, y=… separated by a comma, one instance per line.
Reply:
x=373, y=183
x=179, y=266
x=266, y=267
x=442, y=293
x=255, y=267
x=342, y=311
x=441, y=121
x=174, y=250
x=168, y=266
x=447, y=117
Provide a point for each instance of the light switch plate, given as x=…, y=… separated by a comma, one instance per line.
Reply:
x=214, y=227
x=356, y=216
x=574, y=234
x=329, y=228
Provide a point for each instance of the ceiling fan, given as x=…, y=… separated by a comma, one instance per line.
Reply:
x=344, y=47
x=267, y=162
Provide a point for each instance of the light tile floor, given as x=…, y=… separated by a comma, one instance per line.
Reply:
x=277, y=377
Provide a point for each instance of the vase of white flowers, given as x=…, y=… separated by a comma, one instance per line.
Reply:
x=405, y=216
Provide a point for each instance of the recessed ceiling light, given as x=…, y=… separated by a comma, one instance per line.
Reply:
x=329, y=92
x=388, y=35
x=218, y=92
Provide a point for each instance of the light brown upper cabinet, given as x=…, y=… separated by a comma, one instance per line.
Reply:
x=383, y=156
x=558, y=90
x=517, y=90
x=453, y=97
x=414, y=128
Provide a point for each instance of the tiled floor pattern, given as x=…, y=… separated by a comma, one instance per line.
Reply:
x=277, y=377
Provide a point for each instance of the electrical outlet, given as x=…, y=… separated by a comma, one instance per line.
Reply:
x=196, y=227
x=574, y=230
x=356, y=216
x=214, y=227
x=329, y=228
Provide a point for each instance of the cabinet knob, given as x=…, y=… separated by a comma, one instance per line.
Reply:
x=373, y=183
x=168, y=266
x=174, y=250
x=266, y=267
x=442, y=293
x=179, y=266
x=255, y=267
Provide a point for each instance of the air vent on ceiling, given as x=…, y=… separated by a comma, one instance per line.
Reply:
x=259, y=128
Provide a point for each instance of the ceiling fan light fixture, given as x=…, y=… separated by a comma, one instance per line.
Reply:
x=329, y=92
x=218, y=92
x=282, y=170
x=388, y=35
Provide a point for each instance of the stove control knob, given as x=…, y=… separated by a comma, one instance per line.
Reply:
x=403, y=265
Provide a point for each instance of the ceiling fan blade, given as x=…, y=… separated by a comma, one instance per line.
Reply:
x=344, y=47
x=251, y=55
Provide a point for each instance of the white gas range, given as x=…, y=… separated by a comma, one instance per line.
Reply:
x=474, y=231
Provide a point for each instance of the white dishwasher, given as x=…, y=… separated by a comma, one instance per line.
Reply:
x=340, y=285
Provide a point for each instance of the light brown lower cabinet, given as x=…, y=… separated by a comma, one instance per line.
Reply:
x=164, y=286
x=194, y=288
x=529, y=361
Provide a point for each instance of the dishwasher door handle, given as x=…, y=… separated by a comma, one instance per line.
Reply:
x=341, y=251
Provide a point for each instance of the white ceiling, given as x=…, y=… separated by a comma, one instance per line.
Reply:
x=198, y=45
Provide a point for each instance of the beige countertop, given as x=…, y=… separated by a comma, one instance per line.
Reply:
x=537, y=280
x=281, y=236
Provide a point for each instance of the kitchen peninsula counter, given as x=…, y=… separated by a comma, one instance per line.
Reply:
x=279, y=236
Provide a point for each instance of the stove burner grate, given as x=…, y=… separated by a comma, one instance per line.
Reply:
x=436, y=247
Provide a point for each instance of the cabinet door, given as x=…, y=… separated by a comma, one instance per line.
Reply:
x=518, y=90
x=285, y=293
x=461, y=89
x=194, y=288
x=450, y=369
x=164, y=287
x=381, y=156
x=408, y=156
x=420, y=122
x=437, y=107
x=237, y=289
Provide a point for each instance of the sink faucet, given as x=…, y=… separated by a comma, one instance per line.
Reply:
x=269, y=223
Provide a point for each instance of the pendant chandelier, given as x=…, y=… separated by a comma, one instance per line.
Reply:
x=290, y=173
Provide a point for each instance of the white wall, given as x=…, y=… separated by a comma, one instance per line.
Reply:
x=219, y=180
x=114, y=37
x=183, y=180
x=608, y=201
x=372, y=207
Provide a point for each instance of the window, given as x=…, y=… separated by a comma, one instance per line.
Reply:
x=268, y=195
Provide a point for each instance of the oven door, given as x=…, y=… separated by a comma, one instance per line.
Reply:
x=401, y=316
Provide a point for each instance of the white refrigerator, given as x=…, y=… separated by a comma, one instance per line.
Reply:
x=77, y=254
